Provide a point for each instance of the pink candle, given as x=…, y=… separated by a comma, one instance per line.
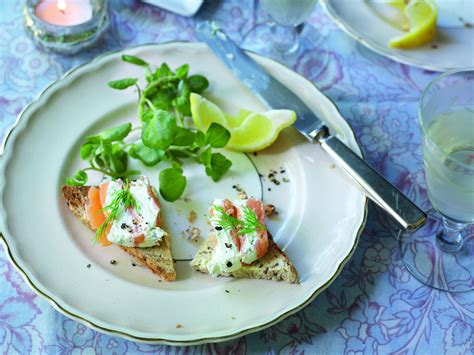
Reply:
x=64, y=12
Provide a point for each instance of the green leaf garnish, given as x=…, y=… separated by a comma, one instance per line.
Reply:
x=163, y=106
x=148, y=156
x=218, y=167
x=160, y=131
x=172, y=183
x=206, y=156
x=182, y=71
x=116, y=133
x=200, y=139
x=183, y=137
x=87, y=150
x=217, y=135
x=122, y=84
x=78, y=179
x=134, y=60
x=197, y=83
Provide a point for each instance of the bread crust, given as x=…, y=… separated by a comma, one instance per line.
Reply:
x=274, y=265
x=157, y=258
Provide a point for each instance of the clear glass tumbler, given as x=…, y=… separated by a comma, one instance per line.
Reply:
x=441, y=253
x=287, y=17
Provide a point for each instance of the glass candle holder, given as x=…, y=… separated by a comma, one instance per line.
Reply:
x=65, y=26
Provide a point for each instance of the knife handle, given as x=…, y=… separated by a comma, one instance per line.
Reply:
x=375, y=185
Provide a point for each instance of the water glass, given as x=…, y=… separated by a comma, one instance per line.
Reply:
x=287, y=18
x=441, y=254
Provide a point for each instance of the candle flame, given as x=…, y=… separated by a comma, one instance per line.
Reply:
x=62, y=5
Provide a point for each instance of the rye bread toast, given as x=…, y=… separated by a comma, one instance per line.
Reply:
x=158, y=258
x=274, y=265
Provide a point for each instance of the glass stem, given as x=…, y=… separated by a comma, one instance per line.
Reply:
x=450, y=239
x=285, y=38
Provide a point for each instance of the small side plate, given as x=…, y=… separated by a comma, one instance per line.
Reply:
x=374, y=23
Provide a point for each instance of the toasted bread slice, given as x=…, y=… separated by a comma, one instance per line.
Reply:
x=274, y=265
x=158, y=258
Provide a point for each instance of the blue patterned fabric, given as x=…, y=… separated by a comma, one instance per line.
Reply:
x=374, y=306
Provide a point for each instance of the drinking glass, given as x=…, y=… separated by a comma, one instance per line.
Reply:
x=441, y=253
x=288, y=17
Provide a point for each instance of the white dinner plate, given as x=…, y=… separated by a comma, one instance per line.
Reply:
x=321, y=214
x=373, y=23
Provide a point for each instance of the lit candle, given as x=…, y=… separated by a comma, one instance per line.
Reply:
x=65, y=26
x=64, y=12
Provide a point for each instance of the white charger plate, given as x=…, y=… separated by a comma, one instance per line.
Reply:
x=374, y=23
x=321, y=213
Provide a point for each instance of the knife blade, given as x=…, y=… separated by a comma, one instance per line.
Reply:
x=278, y=96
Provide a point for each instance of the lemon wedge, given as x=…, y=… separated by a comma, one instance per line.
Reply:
x=421, y=15
x=250, y=131
x=399, y=4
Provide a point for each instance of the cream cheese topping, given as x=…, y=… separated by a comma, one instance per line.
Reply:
x=135, y=227
x=226, y=256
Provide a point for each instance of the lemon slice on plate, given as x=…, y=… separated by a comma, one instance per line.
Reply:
x=399, y=4
x=421, y=15
x=250, y=131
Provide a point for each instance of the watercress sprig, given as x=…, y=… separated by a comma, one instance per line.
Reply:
x=162, y=106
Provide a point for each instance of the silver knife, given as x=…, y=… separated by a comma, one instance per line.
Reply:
x=277, y=96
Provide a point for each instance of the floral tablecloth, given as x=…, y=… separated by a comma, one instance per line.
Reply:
x=374, y=306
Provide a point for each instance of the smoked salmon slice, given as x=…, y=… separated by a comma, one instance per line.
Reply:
x=95, y=214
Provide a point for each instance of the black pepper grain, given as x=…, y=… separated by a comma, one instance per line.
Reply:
x=227, y=291
x=113, y=262
x=123, y=226
x=88, y=266
x=218, y=228
x=228, y=264
x=133, y=264
x=228, y=245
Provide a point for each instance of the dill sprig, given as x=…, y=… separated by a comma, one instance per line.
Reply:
x=248, y=224
x=122, y=199
x=224, y=220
